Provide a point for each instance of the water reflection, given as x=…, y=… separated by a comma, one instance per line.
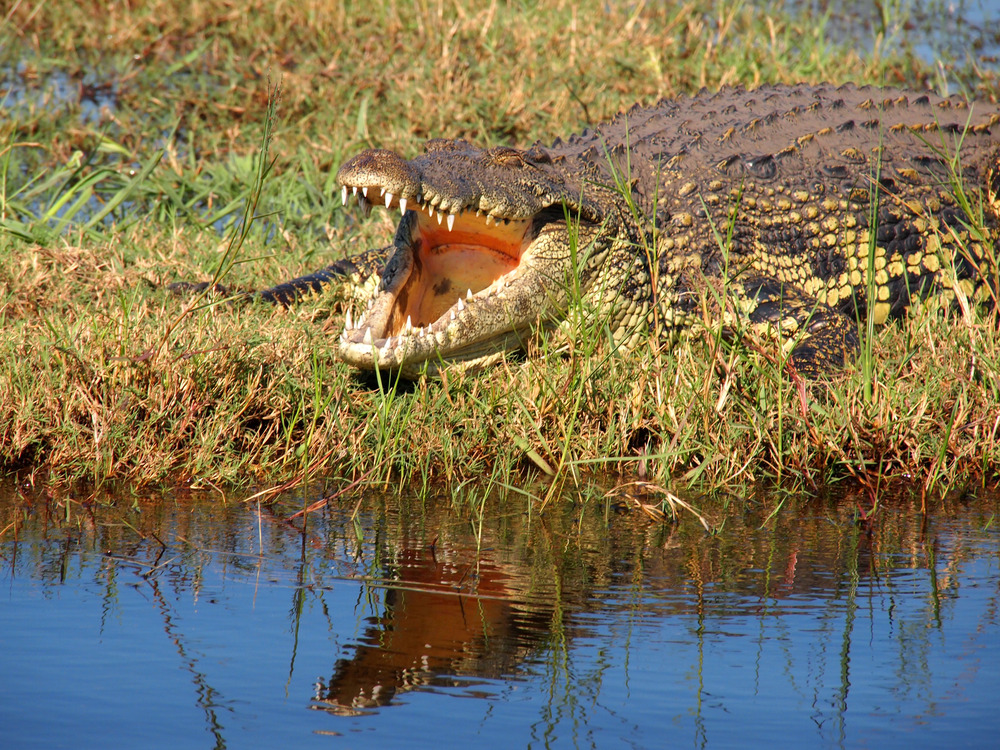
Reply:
x=198, y=622
x=441, y=620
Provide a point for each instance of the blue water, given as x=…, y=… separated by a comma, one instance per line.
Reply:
x=410, y=625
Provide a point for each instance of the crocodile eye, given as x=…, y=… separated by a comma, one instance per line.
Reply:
x=506, y=157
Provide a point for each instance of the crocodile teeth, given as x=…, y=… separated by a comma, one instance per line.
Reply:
x=453, y=316
x=381, y=191
x=364, y=191
x=402, y=205
x=430, y=210
x=388, y=199
x=347, y=320
x=460, y=305
x=367, y=340
x=409, y=325
x=440, y=217
x=451, y=222
x=343, y=195
x=468, y=294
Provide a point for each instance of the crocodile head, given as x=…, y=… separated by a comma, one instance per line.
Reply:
x=483, y=252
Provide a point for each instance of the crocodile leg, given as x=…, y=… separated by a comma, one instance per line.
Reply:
x=358, y=276
x=823, y=338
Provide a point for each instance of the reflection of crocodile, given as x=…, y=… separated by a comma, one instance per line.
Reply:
x=789, y=199
x=442, y=624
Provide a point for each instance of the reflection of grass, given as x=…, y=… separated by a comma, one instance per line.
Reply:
x=95, y=219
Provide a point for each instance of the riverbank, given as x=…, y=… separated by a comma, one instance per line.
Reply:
x=133, y=149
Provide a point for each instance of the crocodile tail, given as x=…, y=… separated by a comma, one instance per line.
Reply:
x=993, y=187
x=989, y=267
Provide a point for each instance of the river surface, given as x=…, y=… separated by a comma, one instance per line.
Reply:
x=174, y=622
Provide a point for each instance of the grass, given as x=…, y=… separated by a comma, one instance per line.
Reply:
x=192, y=171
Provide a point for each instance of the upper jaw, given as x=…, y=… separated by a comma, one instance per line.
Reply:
x=450, y=179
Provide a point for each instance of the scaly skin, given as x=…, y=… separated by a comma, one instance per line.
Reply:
x=767, y=195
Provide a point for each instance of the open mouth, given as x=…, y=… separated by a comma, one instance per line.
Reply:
x=445, y=265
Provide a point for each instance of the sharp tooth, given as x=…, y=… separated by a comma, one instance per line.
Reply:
x=430, y=210
x=388, y=199
x=381, y=191
x=453, y=314
x=451, y=222
x=468, y=294
x=440, y=217
x=409, y=325
x=367, y=340
x=364, y=191
x=343, y=195
x=386, y=348
x=460, y=305
x=354, y=190
x=402, y=205
x=348, y=323
x=489, y=219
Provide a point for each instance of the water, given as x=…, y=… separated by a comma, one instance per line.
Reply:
x=169, y=622
x=958, y=37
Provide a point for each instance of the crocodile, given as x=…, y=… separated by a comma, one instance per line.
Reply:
x=801, y=209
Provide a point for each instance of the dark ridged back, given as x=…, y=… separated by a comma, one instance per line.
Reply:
x=797, y=134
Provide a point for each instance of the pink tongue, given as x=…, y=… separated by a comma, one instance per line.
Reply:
x=447, y=273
